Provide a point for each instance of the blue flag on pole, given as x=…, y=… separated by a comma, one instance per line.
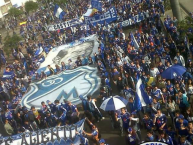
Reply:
x=58, y=12
x=141, y=97
x=137, y=102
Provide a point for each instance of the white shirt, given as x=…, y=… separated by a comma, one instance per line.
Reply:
x=154, y=72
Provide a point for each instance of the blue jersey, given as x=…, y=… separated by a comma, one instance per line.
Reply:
x=132, y=139
x=148, y=123
x=170, y=89
x=8, y=115
x=71, y=108
x=181, y=130
x=125, y=119
x=51, y=120
x=161, y=120
x=166, y=140
x=94, y=132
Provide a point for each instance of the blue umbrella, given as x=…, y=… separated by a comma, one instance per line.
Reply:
x=173, y=72
x=122, y=99
x=113, y=103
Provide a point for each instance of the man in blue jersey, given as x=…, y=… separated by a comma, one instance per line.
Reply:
x=50, y=120
x=148, y=122
x=181, y=126
x=160, y=120
x=125, y=118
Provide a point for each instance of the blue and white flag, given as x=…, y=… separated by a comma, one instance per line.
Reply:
x=38, y=51
x=108, y=17
x=136, y=45
x=96, y=4
x=58, y=12
x=141, y=97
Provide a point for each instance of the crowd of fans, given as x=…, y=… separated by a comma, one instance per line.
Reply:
x=120, y=63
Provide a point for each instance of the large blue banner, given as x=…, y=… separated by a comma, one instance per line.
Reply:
x=63, y=135
x=63, y=25
x=108, y=17
x=96, y=4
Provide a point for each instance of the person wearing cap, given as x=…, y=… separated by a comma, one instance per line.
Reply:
x=102, y=142
x=132, y=137
x=181, y=126
x=179, y=58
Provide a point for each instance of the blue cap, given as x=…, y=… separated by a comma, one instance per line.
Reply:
x=48, y=101
x=129, y=129
x=133, y=113
x=181, y=117
x=101, y=141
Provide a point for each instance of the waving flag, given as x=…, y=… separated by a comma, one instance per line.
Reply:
x=136, y=45
x=141, y=97
x=38, y=51
x=58, y=12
